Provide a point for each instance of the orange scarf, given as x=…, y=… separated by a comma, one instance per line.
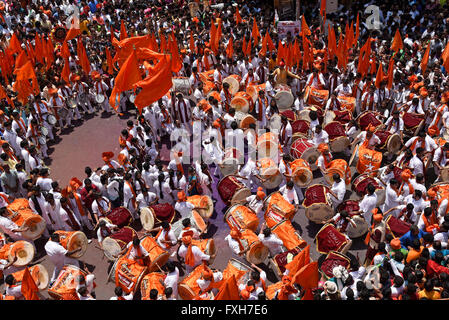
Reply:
x=415, y=142
x=5, y=198
x=133, y=200
x=430, y=223
x=259, y=115
x=166, y=237
x=190, y=258
x=79, y=204
x=11, y=155
x=206, y=62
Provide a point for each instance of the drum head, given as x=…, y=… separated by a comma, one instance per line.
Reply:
x=132, y=98
x=444, y=174
x=36, y=227
x=302, y=177
x=160, y=261
x=380, y=196
x=268, y=149
x=42, y=141
x=304, y=115
x=147, y=219
x=246, y=121
x=234, y=84
x=111, y=248
x=257, y=254
x=329, y=116
x=99, y=98
x=273, y=176
x=284, y=100
x=230, y=168
x=275, y=123
x=339, y=144
x=319, y=212
x=239, y=103
x=311, y=156
x=207, y=213
x=42, y=276
x=51, y=119
x=44, y=131
x=394, y=143
x=240, y=194
x=197, y=221
x=24, y=251
x=360, y=229
x=77, y=240
x=185, y=292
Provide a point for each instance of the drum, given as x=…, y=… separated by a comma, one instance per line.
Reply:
x=72, y=240
x=366, y=118
x=234, y=83
x=231, y=190
x=316, y=97
x=303, y=149
x=120, y=216
x=301, y=172
x=242, y=102
x=413, y=122
x=396, y=226
x=268, y=145
x=116, y=242
x=360, y=184
x=38, y=273
x=278, y=202
x=329, y=116
x=330, y=239
x=348, y=206
x=284, y=97
x=368, y=160
x=66, y=281
x=20, y=213
x=256, y=252
x=127, y=275
x=188, y=288
x=290, y=114
x=23, y=250
x=51, y=119
x=162, y=212
x=343, y=116
x=244, y=119
x=203, y=202
x=207, y=75
x=300, y=129
x=147, y=219
x=42, y=141
x=214, y=94
x=253, y=90
x=99, y=98
x=269, y=171
x=317, y=203
x=152, y=281
x=196, y=221
x=289, y=236
x=182, y=84
x=338, y=140
x=275, y=123
x=158, y=256
x=71, y=103
x=241, y=217
x=279, y=261
x=237, y=269
x=44, y=131
x=444, y=174
x=332, y=260
x=340, y=167
x=360, y=229
x=231, y=160
x=389, y=142
x=207, y=246
x=347, y=103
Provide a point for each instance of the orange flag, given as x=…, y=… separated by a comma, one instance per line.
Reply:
x=21, y=59
x=110, y=65
x=192, y=43
x=379, y=76
x=270, y=43
x=299, y=261
x=357, y=29
x=228, y=290
x=281, y=53
x=125, y=47
x=349, y=37
x=65, y=74
x=263, y=50
x=29, y=288
x=163, y=42
x=230, y=48
x=123, y=33
x=306, y=56
x=255, y=32
x=156, y=86
x=305, y=31
x=397, y=42
x=128, y=75
x=244, y=46
x=176, y=62
x=72, y=33
x=445, y=57
x=296, y=52
x=248, y=48
x=390, y=73
x=331, y=41
x=238, y=18
x=38, y=48
x=373, y=66
x=49, y=53
x=14, y=44
x=82, y=56
x=425, y=59
x=308, y=276
x=65, y=51
x=323, y=7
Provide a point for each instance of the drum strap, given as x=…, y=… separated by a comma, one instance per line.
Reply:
x=21, y=123
x=228, y=99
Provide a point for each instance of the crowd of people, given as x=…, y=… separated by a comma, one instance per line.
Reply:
x=393, y=74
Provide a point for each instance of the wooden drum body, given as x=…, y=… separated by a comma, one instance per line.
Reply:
x=203, y=202
x=65, y=282
x=242, y=102
x=330, y=239
x=234, y=83
x=360, y=184
x=241, y=217
x=237, y=269
x=277, y=202
x=231, y=161
x=316, y=97
x=21, y=214
x=338, y=140
x=188, y=288
x=152, y=281
x=284, y=97
x=231, y=190
x=120, y=216
x=253, y=90
x=317, y=204
x=38, y=273
x=303, y=149
x=300, y=129
x=244, y=119
x=288, y=234
x=302, y=173
x=196, y=221
x=257, y=252
x=268, y=145
x=158, y=256
x=270, y=171
x=116, y=242
x=155, y=214
x=72, y=240
x=338, y=166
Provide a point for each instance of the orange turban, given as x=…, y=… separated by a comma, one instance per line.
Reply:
x=245, y=294
x=322, y=147
x=432, y=131
x=431, y=193
x=406, y=174
x=395, y=244
x=106, y=156
x=378, y=217
x=182, y=196
x=186, y=240
x=207, y=274
x=121, y=159
x=371, y=128
x=75, y=183
x=52, y=91
x=260, y=193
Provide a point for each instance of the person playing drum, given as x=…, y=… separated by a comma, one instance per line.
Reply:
x=105, y=229
x=367, y=138
x=376, y=235
x=210, y=280
x=338, y=190
x=270, y=240
x=319, y=135
x=341, y=222
x=135, y=252
x=192, y=255
x=165, y=237
x=440, y=159
x=316, y=80
x=324, y=159
x=8, y=227
x=188, y=230
x=422, y=140
x=255, y=202
x=280, y=74
x=289, y=193
x=234, y=242
x=395, y=125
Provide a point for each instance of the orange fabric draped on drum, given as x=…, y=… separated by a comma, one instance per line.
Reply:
x=152, y=281
x=277, y=201
x=128, y=274
x=341, y=167
x=158, y=256
x=242, y=101
x=65, y=283
x=316, y=97
x=241, y=217
x=369, y=160
x=288, y=235
x=347, y=103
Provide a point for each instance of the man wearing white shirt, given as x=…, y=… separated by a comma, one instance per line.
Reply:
x=271, y=241
x=395, y=124
x=198, y=255
x=440, y=159
x=338, y=190
x=416, y=163
x=289, y=193
x=145, y=199
x=418, y=202
x=392, y=199
x=119, y=295
x=368, y=203
x=172, y=278
x=320, y=136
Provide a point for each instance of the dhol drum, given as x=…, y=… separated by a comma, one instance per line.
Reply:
x=284, y=97
x=368, y=160
x=207, y=75
x=303, y=149
x=289, y=236
x=253, y=90
x=329, y=116
x=359, y=230
x=234, y=83
x=301, y=172
x=366, y=118
x=115, y=243
x=256, y=252
x=42, y=141
x=207, y=246
x=203, y=202
x=20, y=212
x=120, y=216
x=332, y=260
x=23, y=250
x=300, y=129
x=342, y=116
x=413, y=122
x=290, y=114
x=275, y=123
x=269, y=171
x=338, y=140
x=127, y=275
x=155, y=214
x=214, y=94
x=66, y=282
x=316, y=97
x=244, y=119
x=99, y=98
x=72, y=240
x=38, y=273
x=231, y=190
x=396, y=226
x=268, y=145
x=278, y=202
x=182, y=84
x=208, y=86
x=279, y=261
x=63, y=112
x=340, y=167
x=196, y=221
x=317, y=203
x=242, y=102
x=237, y=269
x=44, y=131
x=347, y=103
x=360, y=184
x=51, y=119
x=241, y=217
x=188, y=288
x=330, y=239
x=158, y=256
x=152, y=281
x=231, y=160
x=389, y=142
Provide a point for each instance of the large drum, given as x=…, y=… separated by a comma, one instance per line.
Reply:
x=196, y=221
x=234, y=83
x=368, y=160
x=244, y=119
x=347, y=103
x=188, y=288
x=231, y=161
x=290, y=115
x=300, y=129
x=127, y=275
x=20, y=212
x=182, y=84
x=72, y=240
x=38, y=273
x=359, y=230
x=278, y=202
x=23, y=250
x=207, y=246
x=256, y=252
x=413, y=122
x=275, y=123
x=330, y=239
x=279, y=261
x=207, y=75
x=253, y=90
x=301, y=172
x=332, y=260
x=288, y=234
x=242, y=102
x=338, y=140
x=158, y=256
x=366, y=118
x=340, y=167
x=389, y=142
x=208, y=86
x=155, y=214
x=316, y=97
x=360, y=184
x=268, y=145
x=342, y=116
x=231, y=190
x=303, y=149
x=214, y=94
x=317, y=203
x=66, y=282
x=120, y=216
x=241, y=217
x=284, y=97
x=396, y=226
x=237, y=269
x=203, y=202
x=115, y=243
x=152, y=281
x=270, y=172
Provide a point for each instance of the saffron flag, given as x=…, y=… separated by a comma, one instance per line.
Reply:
x=425, y=59
x=29, y=288
x=308, y=276
x=379, y=76
x=228, y=290
x=305, y=31
x=397, y=42
x=255, y=32
x=14, y=44
x=230, y=47
x=299, y=261
x=123, y=33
